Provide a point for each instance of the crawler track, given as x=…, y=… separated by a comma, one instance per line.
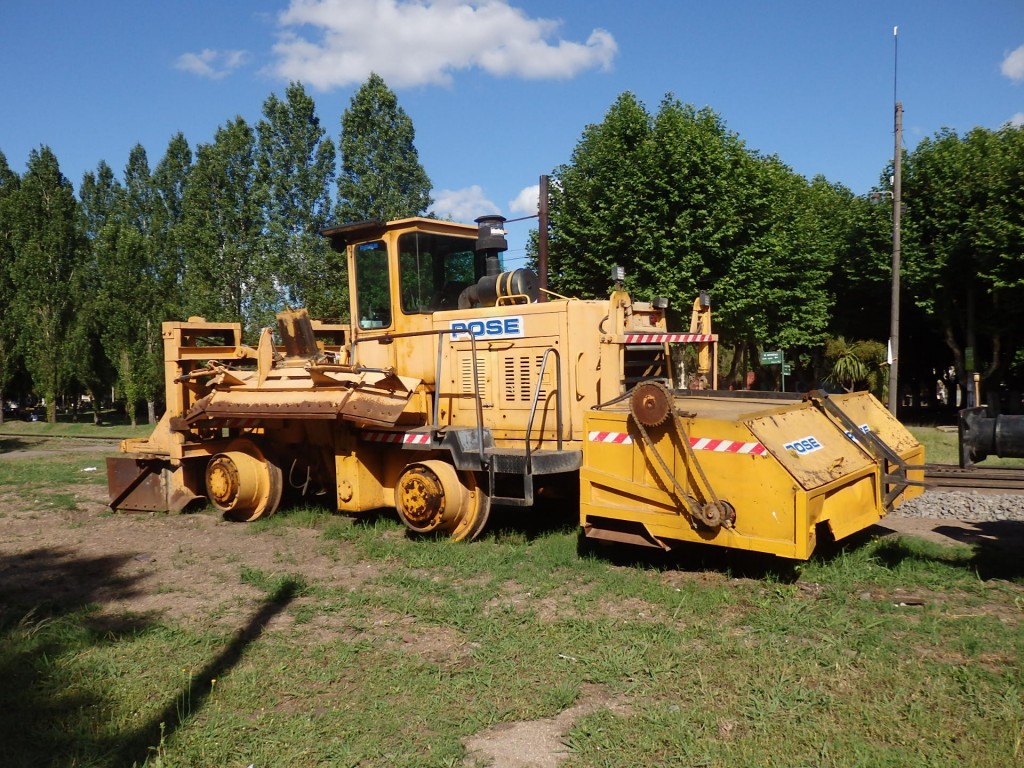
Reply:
x=949, y=477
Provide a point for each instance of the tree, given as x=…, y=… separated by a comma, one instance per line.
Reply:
x=963, y=240
x=600, y=210
x=9, y=183
x=684, y=205
x=170, y=179
x=123, y=304
x=139, y=356
x=862, y=275
x=295, y=167
x=381, y=176
x=229, y=273
x=100, y=197
x=857, y=365
x=47, y=249
x=775, y=293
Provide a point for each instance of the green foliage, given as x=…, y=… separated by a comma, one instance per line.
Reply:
x=125, y=290
x=9, y=183
x=862, y=274
x=681, y=203
x=381, y=176
x=229, y=267
x=170, y=180
x=964, y=236
x=857, y=365
x=46, y=252
x=295, y=166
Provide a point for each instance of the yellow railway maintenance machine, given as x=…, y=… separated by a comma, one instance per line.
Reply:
x=454, y=388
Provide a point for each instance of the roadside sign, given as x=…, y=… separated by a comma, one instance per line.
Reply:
x=787, y=369
x=771, y=358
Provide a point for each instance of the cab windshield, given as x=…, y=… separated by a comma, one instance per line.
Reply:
x=434, y=270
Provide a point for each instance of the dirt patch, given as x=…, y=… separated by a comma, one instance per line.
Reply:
x=536, y=743
x=180, y=567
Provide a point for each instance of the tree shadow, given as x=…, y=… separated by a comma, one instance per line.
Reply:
x=49, y=598
x=135, y=747
x=49, y=612
x=9, y=444
x=997, y=548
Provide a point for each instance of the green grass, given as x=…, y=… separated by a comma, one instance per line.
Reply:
x=113, y=426
x=887, y=652
x=712, y=670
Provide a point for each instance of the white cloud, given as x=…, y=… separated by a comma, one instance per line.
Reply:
x=210, y=63
x=526, y=201
x=417, y=42
x=462, y=204
x=1013, y=65
x=1017, y=121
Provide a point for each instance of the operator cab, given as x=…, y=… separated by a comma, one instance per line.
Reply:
x=441, y=266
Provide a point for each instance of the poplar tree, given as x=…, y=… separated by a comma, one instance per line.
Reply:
x=381, y=176
x=9, y=183
x=295, y=167
x=100, y=197
x=47, y=250
x=170, y=179
x=229, y=272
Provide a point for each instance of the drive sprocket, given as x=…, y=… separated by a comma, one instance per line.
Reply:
x=650, y=403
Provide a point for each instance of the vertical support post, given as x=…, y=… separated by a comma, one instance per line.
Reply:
x=542, y=239
x=897, y=197
x=894, y=318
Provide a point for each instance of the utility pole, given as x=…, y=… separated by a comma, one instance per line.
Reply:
x=894, y=316
x=542, y=238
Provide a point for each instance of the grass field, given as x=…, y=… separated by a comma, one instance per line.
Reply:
x=113, y=427
x=394, y=651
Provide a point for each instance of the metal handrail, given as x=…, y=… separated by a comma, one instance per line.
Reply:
x=536, y=399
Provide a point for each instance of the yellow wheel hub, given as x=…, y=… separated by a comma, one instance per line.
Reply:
x=431, y=496
x=242, y=483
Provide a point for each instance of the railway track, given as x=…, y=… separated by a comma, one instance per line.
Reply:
x=950, y=477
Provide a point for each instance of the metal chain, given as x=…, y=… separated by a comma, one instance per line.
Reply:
x=680, y=492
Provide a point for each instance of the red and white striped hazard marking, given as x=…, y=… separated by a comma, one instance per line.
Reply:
x=403, y=438
x=668, y=338
x=697, y=443
x=609, y=437
x=726, y=446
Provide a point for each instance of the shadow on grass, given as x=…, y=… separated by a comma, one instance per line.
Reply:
x=8, y=444
x=53, y=713
x=49, y=598
x=695, y=558
x=136, y=747
x=997, y=549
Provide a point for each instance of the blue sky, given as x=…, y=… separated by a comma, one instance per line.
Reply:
x=501, y=91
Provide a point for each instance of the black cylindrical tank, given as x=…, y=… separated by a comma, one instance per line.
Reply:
x=982, y=436
x=490, y=288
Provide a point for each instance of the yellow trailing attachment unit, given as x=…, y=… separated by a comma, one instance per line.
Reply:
x=454, y=388
x=744, y=470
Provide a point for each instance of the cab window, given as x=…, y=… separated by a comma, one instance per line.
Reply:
x=373, y=295
x=434, y=270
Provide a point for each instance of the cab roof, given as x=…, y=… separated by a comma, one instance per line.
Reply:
x=343, y=235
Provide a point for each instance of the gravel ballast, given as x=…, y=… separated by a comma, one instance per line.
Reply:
x=968, y=507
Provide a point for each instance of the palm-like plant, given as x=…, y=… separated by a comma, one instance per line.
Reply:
x=856, y=365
